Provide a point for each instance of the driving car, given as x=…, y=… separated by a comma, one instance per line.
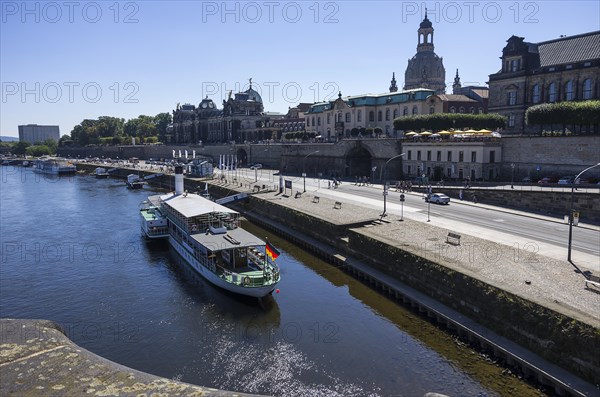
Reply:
x=565, y=180
x=438, y=198
x=548, y=179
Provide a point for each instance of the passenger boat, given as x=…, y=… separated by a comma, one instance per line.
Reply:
x=101, y=173
x=134, y=182
x=54, y=166
x=208, y=238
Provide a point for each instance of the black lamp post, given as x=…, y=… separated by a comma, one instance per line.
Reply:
x=385, y=185
x=571, y=211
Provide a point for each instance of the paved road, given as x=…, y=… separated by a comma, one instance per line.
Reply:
x=523, y=231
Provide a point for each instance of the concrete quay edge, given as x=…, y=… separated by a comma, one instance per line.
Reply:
x=38, y=359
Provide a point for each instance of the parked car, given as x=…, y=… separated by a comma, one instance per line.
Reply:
x=548, y=179
x=438, y=198
x=256, y=166
x=527, y=179
x=565, y=180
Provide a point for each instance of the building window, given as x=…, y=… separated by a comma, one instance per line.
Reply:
x=319, y=120
x=395, y=113
x=379, y=116
x=439, y=155
x=418, y=155
x=492, y=156
x=514, y=65
x=431, y=110
x=587, y=89
x=552, y=92
x=461, y=156
x=511, y=120
x=473, y=157
x=359, y=116
x=347, y=117
x=461, y=109
x=429, y=155
x=449, y=155
x=328, y=118
x=480, y=110
x=472, y=110
x=452, y=109
x=387, y=114
x=512, y=98
x=569, y=91
x=410, y=155
x=535, y=94
x=415, y=110
x=371, y=116
x=405, y=111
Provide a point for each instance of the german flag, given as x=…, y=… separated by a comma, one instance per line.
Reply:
x=271, y=251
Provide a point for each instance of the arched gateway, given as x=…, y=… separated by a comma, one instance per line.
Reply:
x=359, y=162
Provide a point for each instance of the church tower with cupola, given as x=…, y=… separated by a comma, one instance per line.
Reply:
x=425, y=69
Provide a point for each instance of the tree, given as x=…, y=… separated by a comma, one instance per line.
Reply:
x=567, y=113
x=65, y=140
x=162, y=121
x=445, y=121
x=38, y=150
x=20, y=147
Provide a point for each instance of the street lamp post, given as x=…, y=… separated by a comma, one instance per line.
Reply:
x=571, y=210
x=304, y=168
x=512, y=175
x=385, y=184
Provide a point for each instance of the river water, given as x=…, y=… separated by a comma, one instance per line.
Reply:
x=72, y=253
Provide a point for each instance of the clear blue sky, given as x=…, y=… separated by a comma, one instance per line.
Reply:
x=62, y=62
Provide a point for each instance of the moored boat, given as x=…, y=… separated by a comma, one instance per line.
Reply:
x=54, y=166
x=134, y=182
x=101, y=173
x=209, y=239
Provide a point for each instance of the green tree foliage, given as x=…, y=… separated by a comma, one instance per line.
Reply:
x=65, y=140
x=446, y=121
x=20, y=148
x=39, y=150
x=115, y=131
x=564, y=114
x=161, y=121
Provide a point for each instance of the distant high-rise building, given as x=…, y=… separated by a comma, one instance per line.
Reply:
x=33, y=133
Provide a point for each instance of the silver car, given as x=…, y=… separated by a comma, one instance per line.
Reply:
x=438, y=198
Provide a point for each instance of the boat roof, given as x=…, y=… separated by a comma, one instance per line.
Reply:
x=229, y=240
x=191, y=205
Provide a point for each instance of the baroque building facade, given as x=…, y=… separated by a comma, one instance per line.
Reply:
x=242, y=118
x=564, y=69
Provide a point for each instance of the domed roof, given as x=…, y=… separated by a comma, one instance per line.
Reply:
x=253, y=95
x=426, y=23
x=206, y=104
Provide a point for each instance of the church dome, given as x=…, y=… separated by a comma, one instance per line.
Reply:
x=253, y=95
x=426, y=24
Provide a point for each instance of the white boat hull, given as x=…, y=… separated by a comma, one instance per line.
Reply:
x=257, y=292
